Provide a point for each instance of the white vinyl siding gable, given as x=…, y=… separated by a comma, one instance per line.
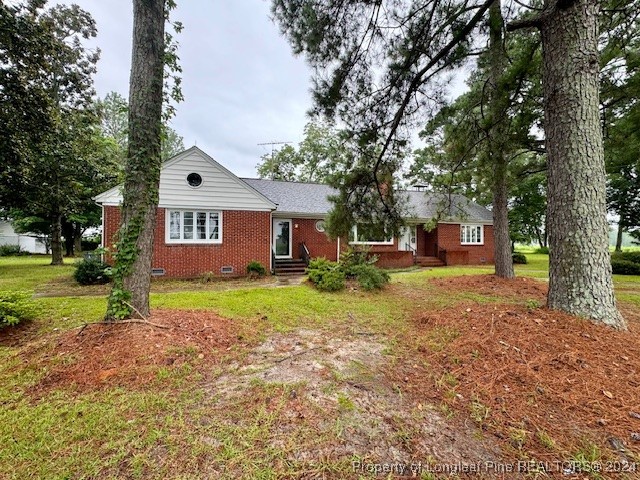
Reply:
x=219, y=189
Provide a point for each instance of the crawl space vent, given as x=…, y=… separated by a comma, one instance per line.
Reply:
x=226, y=269
x=157, y=272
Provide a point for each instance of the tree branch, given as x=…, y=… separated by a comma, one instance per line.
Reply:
x=417, y=80
x=537, y=20
x=531, y=22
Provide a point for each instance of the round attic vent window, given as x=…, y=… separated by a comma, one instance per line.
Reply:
x=194, y=179
x=320, y=226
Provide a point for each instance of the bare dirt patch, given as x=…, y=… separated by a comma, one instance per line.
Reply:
x=548, y=384
x=13, y=336
x=103, y=355
x=339, y=383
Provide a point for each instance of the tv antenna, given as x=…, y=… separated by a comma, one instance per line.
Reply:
x=273, y=144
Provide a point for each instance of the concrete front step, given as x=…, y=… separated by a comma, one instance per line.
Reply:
x=290, y=267
x=289, y=274
x=429, y=262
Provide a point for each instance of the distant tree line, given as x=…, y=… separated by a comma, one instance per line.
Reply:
x=60, y=144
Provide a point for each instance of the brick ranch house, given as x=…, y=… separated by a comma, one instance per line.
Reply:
x=210, y=220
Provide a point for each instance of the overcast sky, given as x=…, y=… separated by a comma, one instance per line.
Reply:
x=242, y=85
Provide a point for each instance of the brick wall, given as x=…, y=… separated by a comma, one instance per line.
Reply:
x=449, y=239
x=394, y=259
x=318, y=243
x=245, y=237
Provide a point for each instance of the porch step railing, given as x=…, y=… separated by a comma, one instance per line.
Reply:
x=273, y=262
x=442, y=255
x=304, y=253
x=409, y=248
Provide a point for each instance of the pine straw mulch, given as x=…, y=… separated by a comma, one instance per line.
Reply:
x=518, y=288
x=523, y=372
x=129, y=354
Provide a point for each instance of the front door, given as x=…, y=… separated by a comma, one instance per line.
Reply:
x=282, y=238
x=408, y=240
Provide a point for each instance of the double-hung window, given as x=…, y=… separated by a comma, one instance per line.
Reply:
x=471, y=234
x=194, y=226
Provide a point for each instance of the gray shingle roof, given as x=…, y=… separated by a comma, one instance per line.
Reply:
x=426, y=205
x=311, y=199
x=295, y=197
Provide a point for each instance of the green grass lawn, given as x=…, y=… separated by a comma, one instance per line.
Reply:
x=169, y=432
x=627, y=286
x=29, y=272
x=238, y=299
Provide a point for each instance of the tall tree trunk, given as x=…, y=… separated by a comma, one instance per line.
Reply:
x=498, y=105
x=539, y=237
x=619, y=237
x=67, y=232
x=56, y=239
x=132, y=269
x=77, y=239
x=579, y=263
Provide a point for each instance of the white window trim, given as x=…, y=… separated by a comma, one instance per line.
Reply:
x=173, y=241
x=355, y=235
x=473, y=225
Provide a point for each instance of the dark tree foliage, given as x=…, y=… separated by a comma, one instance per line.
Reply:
x=620, y=107
x=114, y=121
x=53, y=155
x=452, y=158
x=460, y=141
x=26, y=44
x=317, y=158
x=380, y=69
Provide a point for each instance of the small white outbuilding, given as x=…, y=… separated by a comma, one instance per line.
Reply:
x=29, y=242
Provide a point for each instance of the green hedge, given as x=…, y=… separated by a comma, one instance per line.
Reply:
x=11, y=250
x=92, y=271
x=326, y=275
x=519, y=258
x=370, y=277
x=331, y=276
x=256, y=269
x=625, y=267
x=633, y=257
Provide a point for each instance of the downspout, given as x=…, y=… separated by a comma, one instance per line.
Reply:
x=271, y=266
x=102, y=234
